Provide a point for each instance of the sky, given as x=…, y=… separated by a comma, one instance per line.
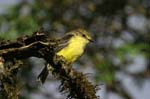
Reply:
x=4, y=4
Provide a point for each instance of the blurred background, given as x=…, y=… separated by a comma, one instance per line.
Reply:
x=119, y=60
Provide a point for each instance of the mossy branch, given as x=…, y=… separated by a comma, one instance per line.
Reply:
x=38, y=45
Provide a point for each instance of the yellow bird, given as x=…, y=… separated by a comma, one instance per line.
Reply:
x=70, y=47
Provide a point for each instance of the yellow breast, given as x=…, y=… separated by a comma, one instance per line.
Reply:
x=74, y=49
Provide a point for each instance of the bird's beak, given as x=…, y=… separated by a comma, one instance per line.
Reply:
x=91, y=40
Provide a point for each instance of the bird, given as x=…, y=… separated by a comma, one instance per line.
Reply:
x=71, y=46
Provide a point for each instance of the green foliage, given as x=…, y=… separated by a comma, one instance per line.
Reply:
x=105, y=73
x=132, y=50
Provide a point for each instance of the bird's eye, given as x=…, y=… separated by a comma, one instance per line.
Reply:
x=83, y=35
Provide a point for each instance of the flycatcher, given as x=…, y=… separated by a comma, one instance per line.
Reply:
x=70, y=47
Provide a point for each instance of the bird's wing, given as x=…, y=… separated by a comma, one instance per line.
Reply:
x=63, y=42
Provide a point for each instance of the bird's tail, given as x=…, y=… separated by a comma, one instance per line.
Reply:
x=43, y=75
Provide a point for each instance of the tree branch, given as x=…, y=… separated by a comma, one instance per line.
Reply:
x=38, y=45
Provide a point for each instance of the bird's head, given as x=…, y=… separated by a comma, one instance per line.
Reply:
x=82, y=33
